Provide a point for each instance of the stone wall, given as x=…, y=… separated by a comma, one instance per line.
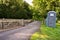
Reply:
x=7, y=23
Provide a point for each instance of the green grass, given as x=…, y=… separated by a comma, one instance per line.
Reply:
x=47, y=33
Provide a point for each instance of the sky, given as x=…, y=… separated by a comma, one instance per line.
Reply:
x=29, y=2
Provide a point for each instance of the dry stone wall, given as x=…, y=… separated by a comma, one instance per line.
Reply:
x=7, y=23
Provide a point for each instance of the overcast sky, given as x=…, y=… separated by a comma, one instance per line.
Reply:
x=29, y=1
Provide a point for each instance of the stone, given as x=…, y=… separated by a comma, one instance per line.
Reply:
x=51, y=19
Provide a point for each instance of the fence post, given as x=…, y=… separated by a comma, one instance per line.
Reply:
x=22, y=22
x=3, y=23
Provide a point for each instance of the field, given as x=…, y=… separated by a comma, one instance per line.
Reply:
x=47, y=33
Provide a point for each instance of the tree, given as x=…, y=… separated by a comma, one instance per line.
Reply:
x=16, y=9
x=41, y=7
x=28, y=11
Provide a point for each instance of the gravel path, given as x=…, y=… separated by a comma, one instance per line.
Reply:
x=23, y=33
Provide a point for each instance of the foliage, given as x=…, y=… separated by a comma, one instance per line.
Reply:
x=27, y=10
x=42, y=7
x=16, y=9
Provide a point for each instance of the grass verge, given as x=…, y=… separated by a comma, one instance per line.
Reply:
x=47, y=33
